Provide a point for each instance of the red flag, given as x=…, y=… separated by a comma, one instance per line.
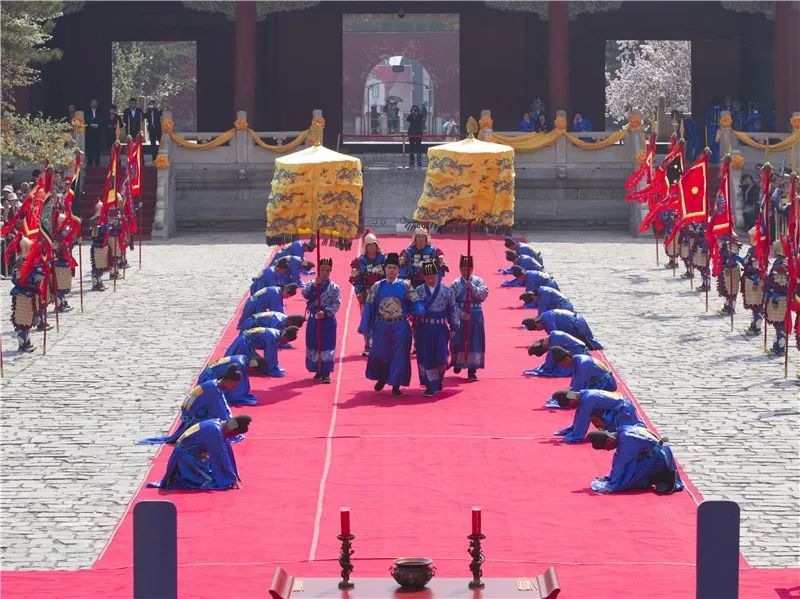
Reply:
x=762, y=246
x=135, y=166
x=791, y=247
x=658, y=186
x=719, y=217
x=645, y=170
x=109, y=197
x=692, y=201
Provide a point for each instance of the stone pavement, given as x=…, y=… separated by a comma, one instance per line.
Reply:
x=127, y=361
x=731, y=416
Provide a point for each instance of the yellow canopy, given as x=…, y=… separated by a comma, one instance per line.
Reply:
x=468, y=180
x=315, y=189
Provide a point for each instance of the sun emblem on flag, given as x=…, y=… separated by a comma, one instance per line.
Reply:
x=695, y=189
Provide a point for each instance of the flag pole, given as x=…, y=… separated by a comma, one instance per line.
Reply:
x=467, y=296
x=655, y=236
x=55, y=296
x=1, y=358
x=139, y=234
x=319, y=309
x=80, y=271
x=44, y=319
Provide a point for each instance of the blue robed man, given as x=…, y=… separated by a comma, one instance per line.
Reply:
x=323, y=300
x=607, y=410
x=387, y=307
x=203, y=456
x=205, y=400
x=712, y=126
x=524, y=249
x=271, y=320
x=267, y=299
x=420, y=252
x=530, y=280
x=587, y=373
x=475, y=347
x=433, y=330
x=296, y=248
x=268, y=341
x=550, y=368
x=641, y=461
x=286, y=270
x=563, y=320
x=240, y=394
x=521, y=260
x=547, y=298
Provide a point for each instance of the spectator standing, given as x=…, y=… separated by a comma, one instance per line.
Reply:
x=542, y=124
x=450, y=129
x=579, y=123
x=132, y=118
x=95, y=127
x=526, y=124
x=749, y=191
x=114, y=126
x=374, y=120
x=415, y=128
x=153, y=118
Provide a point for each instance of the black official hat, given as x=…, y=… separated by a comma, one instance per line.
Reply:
x=326, y=262
x=429, y=268
x=465, y=262
x=392, y=259
x=517, y=270
x=290, y=288
x=559, y=353
x=511, y=255
x=510, y=243
x=295, y=320
x=289, y=333
x=598, y=439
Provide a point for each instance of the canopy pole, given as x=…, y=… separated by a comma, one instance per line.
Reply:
x=319, y=308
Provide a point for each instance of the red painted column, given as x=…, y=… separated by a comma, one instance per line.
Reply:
x=558, y=57
x=244, y=93
x=786, y=72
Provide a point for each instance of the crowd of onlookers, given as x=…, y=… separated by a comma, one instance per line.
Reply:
x=538, y=121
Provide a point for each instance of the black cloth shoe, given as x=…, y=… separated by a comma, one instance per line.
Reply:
x=326, y=379
x=318, y=376
x=27, y=347
x=396, y=390
x=380, y=385
x=471, y=375
x=428, y=393
x=456, y=370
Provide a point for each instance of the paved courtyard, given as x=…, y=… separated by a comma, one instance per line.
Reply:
x=119, y=372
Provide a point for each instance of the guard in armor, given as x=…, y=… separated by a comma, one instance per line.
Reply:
x=366, y=270
x=686, y=245
x=417, y=254
x=775, y=297
x=730, y=274
x=753, y=287
x=99, y=253
x=700, y=256
x=668, y=218
x=25, y=300
x=117, y=255
x=64, y=262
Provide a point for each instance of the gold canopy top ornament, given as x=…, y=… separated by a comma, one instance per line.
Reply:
x=472, y=127
x=315, y=134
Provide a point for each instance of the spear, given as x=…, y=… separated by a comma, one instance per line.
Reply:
x=80, y=271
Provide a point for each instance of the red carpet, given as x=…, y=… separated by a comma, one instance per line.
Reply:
x=410, y=469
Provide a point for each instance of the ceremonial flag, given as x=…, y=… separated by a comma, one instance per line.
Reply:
x=720, y=217
x=72, y=224
x=692, y=201
x=135, y=166
x=791, y=246
x=645, y=170
x=109, y=197
x=762, y=246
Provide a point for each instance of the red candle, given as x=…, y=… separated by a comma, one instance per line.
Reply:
x=345, y=521
x=476, y=520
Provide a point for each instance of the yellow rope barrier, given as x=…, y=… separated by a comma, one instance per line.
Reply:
x=281, y=148
x=597, y=145
x=785, y=144
x=214, y=143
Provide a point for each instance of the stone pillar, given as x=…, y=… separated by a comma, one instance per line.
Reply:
x=635, y=144
x=786, y=67
x=561, y=145
x=164, y=219
x=241, y=140
x=558, y=55
x=80, y=133
x=737, y=163
x=244, y=92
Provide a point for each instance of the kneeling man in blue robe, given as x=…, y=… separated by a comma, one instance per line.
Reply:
x=555, y=339
x=524, y=249
x=587, y=373
x=546, y=298
x=607, y=410
x=563, y=320
x=203, y=456
x=267, y=340
x=271, y=320
x=530, y=280
x=240, y=394
x=268, y=298
x=641, y=461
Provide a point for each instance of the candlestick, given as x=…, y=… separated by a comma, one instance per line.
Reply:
x=476, y=520
x=344, y=557
x=345, y=516
x=477, y=560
